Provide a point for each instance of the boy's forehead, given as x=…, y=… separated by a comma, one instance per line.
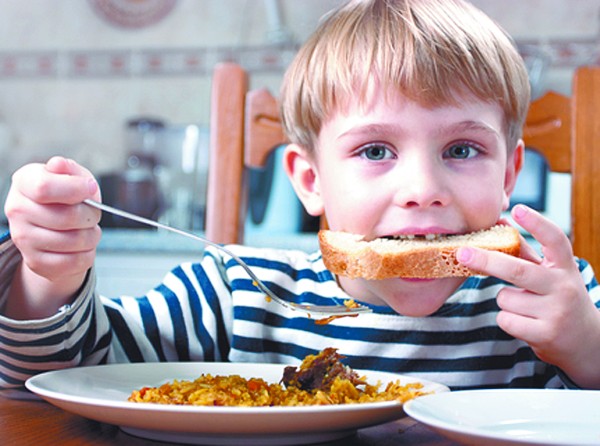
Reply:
x=373, y=93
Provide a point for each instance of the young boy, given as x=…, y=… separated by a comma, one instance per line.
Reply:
x=405, y=118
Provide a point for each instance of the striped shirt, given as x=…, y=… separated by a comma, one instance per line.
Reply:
x=211, y=311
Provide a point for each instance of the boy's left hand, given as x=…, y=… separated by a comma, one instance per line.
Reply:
x=549, y=306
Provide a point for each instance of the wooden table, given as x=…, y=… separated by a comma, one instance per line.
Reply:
x=39, y=423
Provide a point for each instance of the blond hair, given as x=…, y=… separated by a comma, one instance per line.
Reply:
x=432, y=51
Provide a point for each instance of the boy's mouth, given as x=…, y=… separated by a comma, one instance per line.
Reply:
x=409, y=237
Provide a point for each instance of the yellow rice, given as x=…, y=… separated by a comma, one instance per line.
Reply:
x=233, y=390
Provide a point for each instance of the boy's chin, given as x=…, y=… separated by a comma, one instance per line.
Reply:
x=415, y=306
x=415, y=309
x=418, y=297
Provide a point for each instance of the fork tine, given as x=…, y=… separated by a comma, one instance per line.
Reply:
x=321, y=310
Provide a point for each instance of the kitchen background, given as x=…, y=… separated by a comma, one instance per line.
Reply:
x=74, y=73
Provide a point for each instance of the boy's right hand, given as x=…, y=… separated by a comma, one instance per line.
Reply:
x=55, y=232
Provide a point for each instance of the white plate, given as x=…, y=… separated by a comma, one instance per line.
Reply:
x=100, y=393
x=512, y=416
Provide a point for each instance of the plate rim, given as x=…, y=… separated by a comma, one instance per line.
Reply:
x=32, y=385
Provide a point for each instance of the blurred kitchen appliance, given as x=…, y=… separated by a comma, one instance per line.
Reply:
x=136, y=187
x=161, y=177
x=182, y=172
x=143, y=139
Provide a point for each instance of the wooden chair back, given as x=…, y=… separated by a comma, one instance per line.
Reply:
x=566, y=131
x=245, y=128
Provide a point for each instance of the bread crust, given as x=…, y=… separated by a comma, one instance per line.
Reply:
x=422, y=259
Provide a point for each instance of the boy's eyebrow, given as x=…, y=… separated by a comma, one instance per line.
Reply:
x=462, y=126
x=478, y=126
x=374, y=129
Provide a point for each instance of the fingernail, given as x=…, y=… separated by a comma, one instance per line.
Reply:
x=92, y=186
x=519, y=211
x=464, y=255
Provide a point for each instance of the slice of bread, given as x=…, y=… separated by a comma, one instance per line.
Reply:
x=350, y=255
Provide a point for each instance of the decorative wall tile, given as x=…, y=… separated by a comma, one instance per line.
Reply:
x=99, y=64
x=172, y=62
x=266, y=59
x=28, y=64
x=145, y=62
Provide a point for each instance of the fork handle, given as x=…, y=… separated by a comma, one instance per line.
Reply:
x=256, y=281
x=146, y=221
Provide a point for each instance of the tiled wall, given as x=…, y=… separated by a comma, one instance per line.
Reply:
x=69, y=79
x=103, y=65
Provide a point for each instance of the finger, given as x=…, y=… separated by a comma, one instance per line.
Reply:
x=53, y=254
x=23, y=212
x=519, y=301
x=555, y=244
x=522, y=327
x=518, y=271
x=60, y=165
x=63, y=242
x=44, y=186
x=66, y=166
x=63, y=217
x=528, y=252
x=54, y=265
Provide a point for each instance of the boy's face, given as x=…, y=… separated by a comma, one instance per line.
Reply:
x=396, y=167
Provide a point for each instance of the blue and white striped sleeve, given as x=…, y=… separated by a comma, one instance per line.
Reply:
x=33, y=346
x=187, y=317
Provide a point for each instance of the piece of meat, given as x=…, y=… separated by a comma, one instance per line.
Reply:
x=317, y=372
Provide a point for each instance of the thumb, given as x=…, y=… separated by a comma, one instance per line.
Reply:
x=64, y=166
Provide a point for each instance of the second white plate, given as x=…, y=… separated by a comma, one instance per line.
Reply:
x=512, y=416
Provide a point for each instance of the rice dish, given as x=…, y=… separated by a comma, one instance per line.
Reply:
x=320, y=380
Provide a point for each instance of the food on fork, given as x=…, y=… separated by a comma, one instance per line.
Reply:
x=424, y=257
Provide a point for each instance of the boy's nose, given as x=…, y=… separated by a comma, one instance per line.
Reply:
x=421, y=186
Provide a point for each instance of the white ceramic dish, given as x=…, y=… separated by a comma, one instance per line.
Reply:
x=100, y=393
x=512, y=416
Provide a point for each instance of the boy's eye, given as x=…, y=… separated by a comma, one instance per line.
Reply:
x=461, y=151
x=376, y=152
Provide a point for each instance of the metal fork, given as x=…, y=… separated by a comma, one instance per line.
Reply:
x=319, y=310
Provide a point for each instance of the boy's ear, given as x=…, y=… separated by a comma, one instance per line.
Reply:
x=300, y=167
x=514, y=163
